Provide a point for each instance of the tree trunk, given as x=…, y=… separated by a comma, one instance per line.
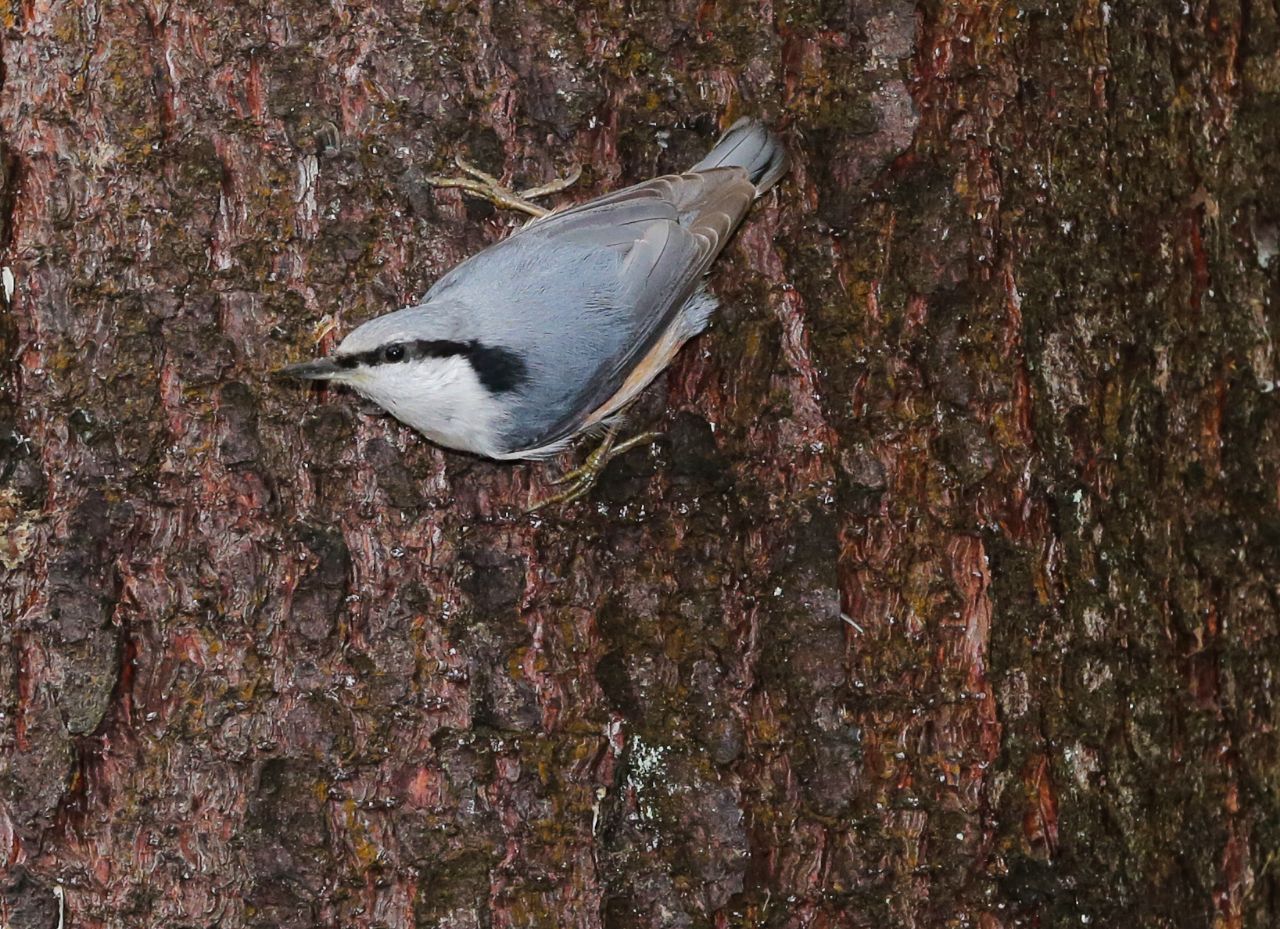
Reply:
x=949, y=598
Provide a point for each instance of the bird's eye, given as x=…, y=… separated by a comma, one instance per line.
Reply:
x=393, y=353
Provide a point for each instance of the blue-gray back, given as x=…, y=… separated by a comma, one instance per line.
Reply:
x=582, y=295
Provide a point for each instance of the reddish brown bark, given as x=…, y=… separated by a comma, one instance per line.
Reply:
x=949, y=598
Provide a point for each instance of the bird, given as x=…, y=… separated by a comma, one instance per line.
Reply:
x=552, y=332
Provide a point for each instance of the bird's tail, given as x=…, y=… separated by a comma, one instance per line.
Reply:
x=751, y=145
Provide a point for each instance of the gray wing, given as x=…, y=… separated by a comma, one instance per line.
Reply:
x=584, y=293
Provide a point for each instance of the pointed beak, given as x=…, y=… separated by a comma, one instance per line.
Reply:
x=322, y=369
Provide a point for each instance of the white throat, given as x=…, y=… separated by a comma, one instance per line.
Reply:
x=440, y=397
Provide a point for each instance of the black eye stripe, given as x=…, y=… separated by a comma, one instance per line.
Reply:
x=419, y=348
x=499, y=369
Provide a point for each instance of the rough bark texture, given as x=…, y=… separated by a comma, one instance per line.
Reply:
x=950, y=598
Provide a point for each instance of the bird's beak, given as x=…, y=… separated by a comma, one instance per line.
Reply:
x=322, y=369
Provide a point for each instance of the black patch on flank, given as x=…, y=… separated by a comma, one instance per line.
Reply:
x=499, y=369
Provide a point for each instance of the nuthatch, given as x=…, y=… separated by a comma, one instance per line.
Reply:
x=553, y=331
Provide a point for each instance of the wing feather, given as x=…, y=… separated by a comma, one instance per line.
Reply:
x=664, y=234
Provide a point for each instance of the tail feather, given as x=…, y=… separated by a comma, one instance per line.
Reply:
x=749, y=144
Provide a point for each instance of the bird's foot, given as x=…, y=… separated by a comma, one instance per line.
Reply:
x=580, y=480
x=485, y=185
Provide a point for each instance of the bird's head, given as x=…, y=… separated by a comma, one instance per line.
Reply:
x=413, y=364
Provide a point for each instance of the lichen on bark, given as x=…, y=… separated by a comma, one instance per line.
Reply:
x=948, y=598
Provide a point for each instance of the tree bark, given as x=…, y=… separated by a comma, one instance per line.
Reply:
x=949, y=598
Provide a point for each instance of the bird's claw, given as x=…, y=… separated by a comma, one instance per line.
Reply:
x=584, y=477
x=485, y=185
x=553, y=186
